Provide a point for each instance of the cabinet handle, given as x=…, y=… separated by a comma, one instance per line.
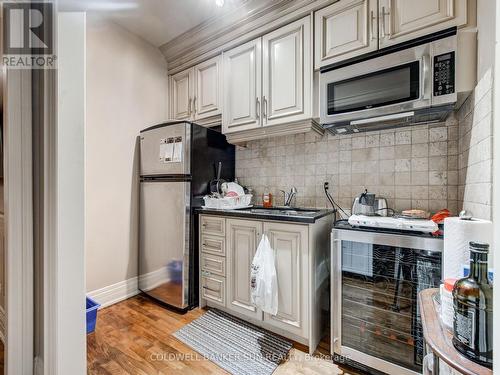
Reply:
x=257, y=108
x=205, y=273
x=264, y=102
x=383, y=22
x=189, y=107
x=194, y=105
x=372, y=19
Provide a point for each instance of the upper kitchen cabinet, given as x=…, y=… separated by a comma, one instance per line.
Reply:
x=242, y=87
x=287, y=73
x=196, y=93
x=345, y=29
x=402, y=20
x=207, y=101
x=181, y=95
x=268, y=85
x=350, y=28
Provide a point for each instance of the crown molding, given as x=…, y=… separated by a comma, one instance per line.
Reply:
x=253, y=19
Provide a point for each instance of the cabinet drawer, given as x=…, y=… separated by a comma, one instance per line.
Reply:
x=213, y=225
x=213, y=264
x=213, y=288
x=213, y=245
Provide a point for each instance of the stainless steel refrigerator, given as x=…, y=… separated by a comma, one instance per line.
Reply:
x=177, y=163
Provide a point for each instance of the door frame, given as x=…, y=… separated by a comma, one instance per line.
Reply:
x=18, y=222
x=64, y=319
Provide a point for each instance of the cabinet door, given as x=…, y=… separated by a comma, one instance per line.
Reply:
x=290, y=245
x=242, y=242
x=207, y=99
x=345, y=29
x=402, y=20
x=242, y=87
x=181, y=95
x=287, y=73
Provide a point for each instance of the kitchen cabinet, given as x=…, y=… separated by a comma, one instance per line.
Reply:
x=287, y=73
x=301, y=251
x=345, y=29
x=350, y=28
x=402, y=20
x=196, y=93
x=242, y=87
x=207, y=100
x=243, y=237
x=290, y=246
x=268, y=81
x=212, y=247
x=181, y=95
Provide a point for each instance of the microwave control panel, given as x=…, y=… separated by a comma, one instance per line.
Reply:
x=444, y=74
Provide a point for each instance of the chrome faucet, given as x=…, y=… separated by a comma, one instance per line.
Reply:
x=288, y=197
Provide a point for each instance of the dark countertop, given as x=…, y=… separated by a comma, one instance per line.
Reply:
x=308, y=216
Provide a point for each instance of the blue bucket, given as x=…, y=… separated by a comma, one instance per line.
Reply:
x=92, y=307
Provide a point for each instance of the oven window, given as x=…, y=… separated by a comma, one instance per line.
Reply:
x=384, y=87
x=379, y=300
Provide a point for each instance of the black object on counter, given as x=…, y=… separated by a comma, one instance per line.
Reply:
x=473, y=301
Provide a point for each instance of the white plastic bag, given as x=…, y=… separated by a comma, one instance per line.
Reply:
x=263, y=281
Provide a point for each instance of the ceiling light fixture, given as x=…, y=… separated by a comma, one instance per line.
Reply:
x=219, y=3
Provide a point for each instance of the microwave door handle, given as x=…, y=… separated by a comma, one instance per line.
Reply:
x=425, y=74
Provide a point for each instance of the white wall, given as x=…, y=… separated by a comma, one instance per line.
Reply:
x=126, y=92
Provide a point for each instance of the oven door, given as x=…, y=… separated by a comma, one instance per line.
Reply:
x=386, y=85
x=375, y=281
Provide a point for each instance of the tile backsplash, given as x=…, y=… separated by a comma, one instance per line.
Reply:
x=475, y=162
x=413, y=167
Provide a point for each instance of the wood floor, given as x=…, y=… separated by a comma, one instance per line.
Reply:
x=135, y=337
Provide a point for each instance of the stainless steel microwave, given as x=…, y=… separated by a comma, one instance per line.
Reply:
x=422, y=83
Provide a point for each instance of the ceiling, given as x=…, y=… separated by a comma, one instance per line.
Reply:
x=157, y=21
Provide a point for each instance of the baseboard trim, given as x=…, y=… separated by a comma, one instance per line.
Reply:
x=153, y=279
x=114, y=293
x=2, y=325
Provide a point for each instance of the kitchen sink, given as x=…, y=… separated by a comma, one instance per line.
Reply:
x=282, y=211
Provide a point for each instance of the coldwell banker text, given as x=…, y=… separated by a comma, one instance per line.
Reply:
x=28, y=35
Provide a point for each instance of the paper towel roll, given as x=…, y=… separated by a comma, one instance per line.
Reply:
x=457, y=235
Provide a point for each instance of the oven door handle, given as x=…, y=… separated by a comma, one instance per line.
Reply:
x=336, y=295
x=426, y=62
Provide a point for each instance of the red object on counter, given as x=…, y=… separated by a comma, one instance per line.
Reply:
x=449, y=284
x=267, y=200
x=439, y=216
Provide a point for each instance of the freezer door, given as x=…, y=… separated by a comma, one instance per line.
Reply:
x=164, y=241
x=166, y=150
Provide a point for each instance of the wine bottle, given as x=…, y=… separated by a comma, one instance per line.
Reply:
x=473, y=303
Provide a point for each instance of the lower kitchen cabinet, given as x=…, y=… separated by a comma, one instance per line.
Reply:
x=300, y=250
x=291, y=253
x=243, y=237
